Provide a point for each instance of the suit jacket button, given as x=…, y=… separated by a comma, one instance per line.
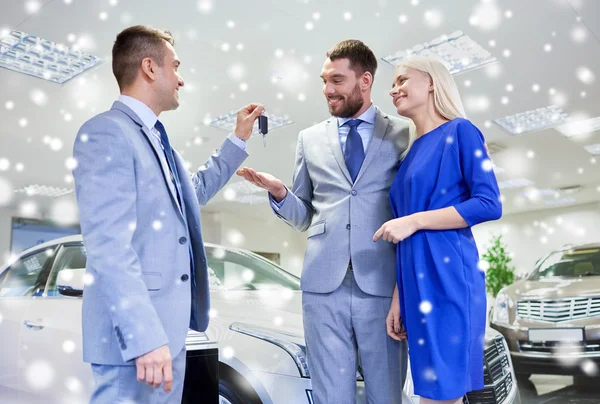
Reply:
x=182, y=240
x=123, y=347
x=348, y=226
x=354, y=193
x=185, y=277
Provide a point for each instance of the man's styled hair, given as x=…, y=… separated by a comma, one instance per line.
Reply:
x=362, y=59
x=134, y=44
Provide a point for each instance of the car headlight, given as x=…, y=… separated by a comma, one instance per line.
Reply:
x=294, y=345
x=500, y=313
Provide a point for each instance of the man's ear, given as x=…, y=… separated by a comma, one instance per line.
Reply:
x=366, y=80
x=149, y=68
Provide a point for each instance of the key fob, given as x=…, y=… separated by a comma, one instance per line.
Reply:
x=263, y=124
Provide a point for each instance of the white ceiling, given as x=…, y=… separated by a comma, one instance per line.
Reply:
x=277, y=43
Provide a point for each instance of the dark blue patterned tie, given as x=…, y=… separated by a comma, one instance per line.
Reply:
x=355, y=152
x=164, y=139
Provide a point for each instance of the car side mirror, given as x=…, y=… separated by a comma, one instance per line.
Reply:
x=70, y=282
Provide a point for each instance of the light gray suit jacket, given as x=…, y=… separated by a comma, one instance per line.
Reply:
x=340, y=217
x=137, y=241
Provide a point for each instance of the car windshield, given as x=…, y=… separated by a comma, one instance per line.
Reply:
x=237, y=270
x=569, y=263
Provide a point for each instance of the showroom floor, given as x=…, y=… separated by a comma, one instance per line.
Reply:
x=546, y=389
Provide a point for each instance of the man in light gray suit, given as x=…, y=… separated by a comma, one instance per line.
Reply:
x=140, y=219
x=344, y=170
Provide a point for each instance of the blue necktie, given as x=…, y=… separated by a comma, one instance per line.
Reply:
x=355, y=152
x=164, y=139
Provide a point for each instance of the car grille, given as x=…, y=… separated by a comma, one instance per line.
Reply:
x=558, y=310
x=497, y=378
x=562, y=347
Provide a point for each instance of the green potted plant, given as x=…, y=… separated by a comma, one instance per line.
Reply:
x=499, y=273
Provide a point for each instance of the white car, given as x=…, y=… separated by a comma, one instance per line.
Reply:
x=256, y=321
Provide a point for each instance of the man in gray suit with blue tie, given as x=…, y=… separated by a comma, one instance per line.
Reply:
x=140, y=220
x=339, y=196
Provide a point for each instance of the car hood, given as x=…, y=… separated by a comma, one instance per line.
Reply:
x=280, y=311
x=555, y=288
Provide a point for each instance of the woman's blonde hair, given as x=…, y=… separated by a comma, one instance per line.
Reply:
x=446, y=98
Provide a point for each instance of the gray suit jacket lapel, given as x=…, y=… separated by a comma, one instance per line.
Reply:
x=379, y=132
x=334, y=142
x=165, y=170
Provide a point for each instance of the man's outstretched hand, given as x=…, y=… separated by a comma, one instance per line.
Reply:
x=266, y=181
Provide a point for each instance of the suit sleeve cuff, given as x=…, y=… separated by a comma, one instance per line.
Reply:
x=237, y=141
x=276, y=205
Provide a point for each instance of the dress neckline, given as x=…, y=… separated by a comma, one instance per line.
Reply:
x=432, y=130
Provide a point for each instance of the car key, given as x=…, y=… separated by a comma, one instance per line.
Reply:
x=263, y=127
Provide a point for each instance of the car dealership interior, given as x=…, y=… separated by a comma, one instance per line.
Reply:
x=528, y=73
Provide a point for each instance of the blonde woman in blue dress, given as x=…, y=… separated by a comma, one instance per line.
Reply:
x=445, y=185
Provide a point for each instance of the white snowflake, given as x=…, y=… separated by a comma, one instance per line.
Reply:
x=205, y=6
x=568, y=355
x=477, y=103
x=421, y=341
x=547, y=47
x=433, y=18
x=403, y=19
x=589, y=368
x=446, y=260
x=425, y=307
x=579, y=34
x=248, y=275
x=483, y=265
x=235, y=238
x=88, y=279
x=38, y=97
x=212, y=313
x=486, y=16
x=32, y=6
x=39, y=375
x=347, y=16
x=429, y=375
x=585, y=75
x=236, y=72
x=68, y=346
x=157, y=225
x=64, y=212
x=278, y=321
x=28, y=208
x=73, y=384
x=0, y=318
x=219, y=253
x=9, y=105
x=487, y=165
x=71, y=163
x=228, y=352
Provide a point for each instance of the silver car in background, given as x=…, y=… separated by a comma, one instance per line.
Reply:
x=551, y=318
x=256, y=320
